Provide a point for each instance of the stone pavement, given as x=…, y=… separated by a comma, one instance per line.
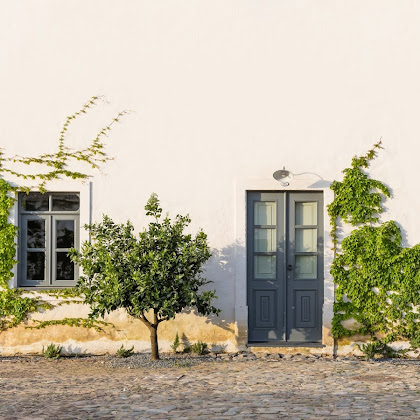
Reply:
x=271, y=388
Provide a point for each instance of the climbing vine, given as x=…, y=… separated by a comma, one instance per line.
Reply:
x=15, y=304
x=378, y=281
x=358, y=198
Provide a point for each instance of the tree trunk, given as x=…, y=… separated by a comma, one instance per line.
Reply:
x=154, y=342
x=153, y=332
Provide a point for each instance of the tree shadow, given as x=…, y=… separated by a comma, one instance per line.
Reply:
x=220, y=271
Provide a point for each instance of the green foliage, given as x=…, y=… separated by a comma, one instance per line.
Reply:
x=378, y=348
x=160, y=271
x=62, y=293
x=52, y=351
x=123, y=352
x=8, y=234
x=175, y=345
x=199, y=347
x=154, y=276
x=71, y=322
x=378, y=281
x=57, y=164
x=14, y=308
x=378, y=284
x=357, y=198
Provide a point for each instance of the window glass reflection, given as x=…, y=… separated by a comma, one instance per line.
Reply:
x=36, y=234
x=35, y=202
x=35, y=265
x=64, y=233
x=65, y=268
x=65, y=202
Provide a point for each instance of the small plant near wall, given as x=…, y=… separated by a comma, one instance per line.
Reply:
x=153, y=277
x=378, y=347
x=14, y=308
x=52, y=351
x=199, y=348
x=122, y=352
x=378, y=281
x=176, y=344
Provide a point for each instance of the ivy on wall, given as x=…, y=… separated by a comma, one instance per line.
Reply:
x=378, y=281
x=14, y=306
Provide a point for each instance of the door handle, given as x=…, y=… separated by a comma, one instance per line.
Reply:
x=290, y=267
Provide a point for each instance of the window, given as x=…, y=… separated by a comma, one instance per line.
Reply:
x=49, y=227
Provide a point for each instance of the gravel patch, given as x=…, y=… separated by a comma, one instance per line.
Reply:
x=137, y=360
x=143, y=360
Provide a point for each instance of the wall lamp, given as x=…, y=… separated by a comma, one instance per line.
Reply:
x=283, y=176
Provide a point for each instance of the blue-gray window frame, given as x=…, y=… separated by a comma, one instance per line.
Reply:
x=50, y=243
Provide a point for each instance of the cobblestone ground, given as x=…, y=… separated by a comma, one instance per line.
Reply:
x=297, y=388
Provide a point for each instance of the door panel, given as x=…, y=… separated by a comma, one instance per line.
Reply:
x=285, y=266
x=265, y=268
x=305, y=303
x=265, y=308
x=305, y=254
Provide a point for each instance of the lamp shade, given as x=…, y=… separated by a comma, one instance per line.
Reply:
x=283, y=175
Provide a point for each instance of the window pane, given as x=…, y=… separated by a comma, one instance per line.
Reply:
x=306, y=240
x=35, y=265
x=306, y=267
x=65, y=202
x=265, y=213
x=36, y=234
x=64, y=233
x=306, y=213
x=35, y=202
x=264, y=240
x=265, y=266
x=65, y=268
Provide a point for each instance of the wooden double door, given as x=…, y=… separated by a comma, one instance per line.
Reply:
x=285, y=272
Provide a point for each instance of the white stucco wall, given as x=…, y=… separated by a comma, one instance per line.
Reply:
x=223, y=93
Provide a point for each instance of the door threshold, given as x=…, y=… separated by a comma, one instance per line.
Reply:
x=285, y=344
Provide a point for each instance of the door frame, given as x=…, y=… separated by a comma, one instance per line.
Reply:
x=308, y=183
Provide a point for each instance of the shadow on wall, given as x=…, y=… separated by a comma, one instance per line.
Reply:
x=220, y=270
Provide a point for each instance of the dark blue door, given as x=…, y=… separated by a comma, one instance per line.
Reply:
x=285, y=267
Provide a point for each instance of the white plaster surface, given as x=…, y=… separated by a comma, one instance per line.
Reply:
x=223, y=93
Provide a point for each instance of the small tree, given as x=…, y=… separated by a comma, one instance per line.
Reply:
x=154, y=276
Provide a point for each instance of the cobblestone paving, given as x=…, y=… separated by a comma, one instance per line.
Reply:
x=297, y=388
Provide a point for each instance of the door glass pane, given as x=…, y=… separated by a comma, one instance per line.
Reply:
x=265, y=266
x=35, y=265
x=264, y=240
x=64, y=233
x=65, y=268
x=305, y=213
x=265, y=213
x=306, y=240
x=306, y=267
x=35, y=234
x=65, y=202
x=35, y=202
